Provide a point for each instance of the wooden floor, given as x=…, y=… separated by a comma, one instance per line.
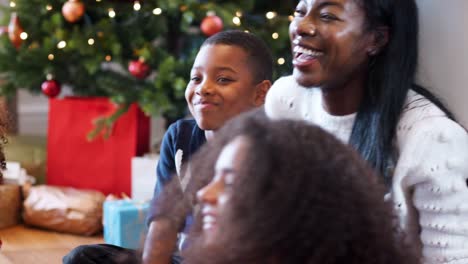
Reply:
x=24, y=245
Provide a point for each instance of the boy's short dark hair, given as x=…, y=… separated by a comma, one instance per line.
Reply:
x=259, y=55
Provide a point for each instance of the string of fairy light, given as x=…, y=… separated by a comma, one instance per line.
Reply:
x=236, y=20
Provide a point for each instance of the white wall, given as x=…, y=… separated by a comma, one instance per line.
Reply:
x=32, y=114
x=444, y=52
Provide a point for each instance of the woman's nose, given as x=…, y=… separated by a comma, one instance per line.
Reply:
x=303, y=27
x=210, y=193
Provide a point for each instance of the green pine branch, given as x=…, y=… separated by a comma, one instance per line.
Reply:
x=168, y=41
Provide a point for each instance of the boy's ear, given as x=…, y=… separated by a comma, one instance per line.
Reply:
x=261, y=90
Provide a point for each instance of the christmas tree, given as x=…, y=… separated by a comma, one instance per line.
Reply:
x=130, y=51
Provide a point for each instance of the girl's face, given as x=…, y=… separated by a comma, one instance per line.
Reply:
x=329, y=43
x=215, y=196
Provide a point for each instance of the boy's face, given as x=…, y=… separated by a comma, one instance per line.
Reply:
x=221, y=86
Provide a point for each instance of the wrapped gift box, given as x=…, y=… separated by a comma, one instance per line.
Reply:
x=125, y=223
x=15, y=174
x=30, y=153
x=10, y=205
x=63, y=209
x=144, y=177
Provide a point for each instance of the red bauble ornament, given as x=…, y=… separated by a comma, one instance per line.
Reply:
x=211, y=25
x=73, y=10
x=15, y=30
x=51, y=87
x=139, y=68
x=3, y=30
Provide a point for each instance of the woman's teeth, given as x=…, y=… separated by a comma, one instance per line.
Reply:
x=298, y=50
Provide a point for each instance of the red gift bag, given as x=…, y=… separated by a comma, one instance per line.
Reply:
x=100, y=164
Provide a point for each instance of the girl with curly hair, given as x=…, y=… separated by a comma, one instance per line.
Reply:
x=289, y=192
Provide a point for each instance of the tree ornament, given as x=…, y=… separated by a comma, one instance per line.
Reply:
x=73, y=10
x=15, y=30
x=139, y=68
x=211, y=24
x=3, y=30
x=51, y=87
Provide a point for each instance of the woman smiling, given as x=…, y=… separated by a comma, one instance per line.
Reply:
x=354, y=75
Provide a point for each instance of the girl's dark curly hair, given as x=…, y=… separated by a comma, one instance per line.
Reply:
x=300, y=197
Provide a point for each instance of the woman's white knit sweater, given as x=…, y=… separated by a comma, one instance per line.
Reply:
x=429, y=186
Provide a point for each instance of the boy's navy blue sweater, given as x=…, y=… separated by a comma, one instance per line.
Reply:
x=183, y=135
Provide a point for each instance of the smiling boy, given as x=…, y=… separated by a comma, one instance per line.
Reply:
x=231, y=74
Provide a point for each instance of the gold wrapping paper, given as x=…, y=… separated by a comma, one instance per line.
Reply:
x=64, y=209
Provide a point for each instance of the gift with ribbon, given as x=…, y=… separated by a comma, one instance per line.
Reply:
x=125, y=222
